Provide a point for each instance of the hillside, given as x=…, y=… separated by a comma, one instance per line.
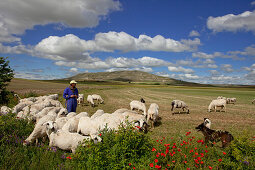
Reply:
x=127, y=76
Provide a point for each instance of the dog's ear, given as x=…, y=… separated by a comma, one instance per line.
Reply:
x=205, y=119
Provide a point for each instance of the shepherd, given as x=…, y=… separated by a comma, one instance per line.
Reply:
x=71, y=95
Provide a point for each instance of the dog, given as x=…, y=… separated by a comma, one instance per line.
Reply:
x=142, y=100
x=207, y=123
x=215, y=136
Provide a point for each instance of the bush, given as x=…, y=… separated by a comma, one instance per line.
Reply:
x=119, y=150
x=30, y=94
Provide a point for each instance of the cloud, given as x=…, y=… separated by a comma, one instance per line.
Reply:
x=227, y=68
x=35, y=76
x=230, y=54
x=144, y=69
x=233, y=23
x=253, y=3
x=111, y=63
x=184, y=77
x=200, y=63
x=16, y=16
x=194, y=33
x=248, y=51
x=180, y=69
x=73, y=70
x=72, y=47
x=214, y=72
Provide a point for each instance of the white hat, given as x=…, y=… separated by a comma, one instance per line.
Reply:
x=73, y=82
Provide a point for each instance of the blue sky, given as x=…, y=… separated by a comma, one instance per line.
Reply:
x=197, y=40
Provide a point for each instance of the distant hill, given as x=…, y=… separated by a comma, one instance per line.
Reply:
x=128, y=76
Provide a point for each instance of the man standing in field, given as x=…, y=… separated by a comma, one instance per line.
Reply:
x=71, y=95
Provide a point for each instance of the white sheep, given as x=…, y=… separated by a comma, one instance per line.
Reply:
x=217, y=103
x=120, y=111
x=207, y=123
x=53, y=96
x=90, y=100
x=20, y=106
x=82, y=114
x=44, y=112
x=71, y=114
x=40, y=130
x=179, y=104
x=36, y=108
x=80, y=99
x=97, y=114
x=98, y=98
x=221, y=97
x=63, y=139
x=5, y=110
x=32, y=99
x=139, y=106
x=72, y=122
x=231, y=100
x=24, y=113
x=153, y=114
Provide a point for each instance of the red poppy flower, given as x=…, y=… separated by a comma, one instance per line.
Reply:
x=151, y=165
x=156, y=160
x=157, y=166
x=129, y=164
x=188, y=168
x=219, y=160
x=157, y=156
x=173, y=161
x=206, y=151
x=100, y=134
x=133, y=167
x=198, y=158
x=190, y=151
x=162, y=154
x=209, y=167
x=168, y=165
x=153, y=149
x=202, y=155
x=185, y=162
x=196, y=153
x=224, y=153
x=201, y=162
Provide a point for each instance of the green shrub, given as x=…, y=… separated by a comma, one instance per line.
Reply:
x=30, y=94
x=119, y=150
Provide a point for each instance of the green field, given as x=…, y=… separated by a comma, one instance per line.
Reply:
x=238, y=119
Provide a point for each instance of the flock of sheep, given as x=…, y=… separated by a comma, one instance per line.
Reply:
x=67, y=130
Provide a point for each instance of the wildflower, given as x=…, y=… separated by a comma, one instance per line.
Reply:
x=174, y=143
x=201, y=162
x=153, y=149
x=190, y=151
x=224, y=153
x=173, y=161
x=195, y=148
x=188, y=168
x=206, y=151
x=157, y=156
x=133, y=167
x=100, y=134
x=219, y=160
x=138, y=127
x=156, y=160
x=162, y=154
x=214, y=143
x=210, y=167
x=129, y=164
x=187, y=133
x=185, y=162
x=246, y=162
x=196, y=153
x=164, y=138
x=168, y=165
x=69, y=157
x=198, y=158
x=202, y=155
x=151, y=165
x=157, y=166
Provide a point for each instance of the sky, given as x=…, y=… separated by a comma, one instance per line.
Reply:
x=201, y=41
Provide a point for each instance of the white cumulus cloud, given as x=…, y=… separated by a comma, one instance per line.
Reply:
x=233, y=23
x=180, y=69
x=194, y=33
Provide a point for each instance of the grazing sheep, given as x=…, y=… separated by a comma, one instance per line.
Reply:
x=16, y=109
x=97, y=114
x=221, y=97
x=142, y=100
x=24, y=113
x=90, y=100
x=17, y=96
x=72, y=123
x=217, y=103
x=71, y=114
x=98, y=98
x=53, y=96
x=80, y=99
x=32, y=99
x=139, y=106
x=63, y=139
x=40, y=130
x=36, y=108
x=207, y=123
x=231, y=100
x=120, y=111
x=139, y=120
x=82, y=114
x=153, y=114
x=5, y=110
x=44, y=112
x=179, y=104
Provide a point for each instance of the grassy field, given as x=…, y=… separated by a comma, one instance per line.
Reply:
x=129, y=149
x=238, y=119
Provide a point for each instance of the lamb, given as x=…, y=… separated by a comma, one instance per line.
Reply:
x=98, y=98
x=97, y=114
x=139, y=106
x=80, y=99
x=179, y=104
x=207, y=123
x=90, y=100
x=40, y=130
x=231, y=100
x=153, y=114
x=63, y=139
x=217, y=103
x=5, y=110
